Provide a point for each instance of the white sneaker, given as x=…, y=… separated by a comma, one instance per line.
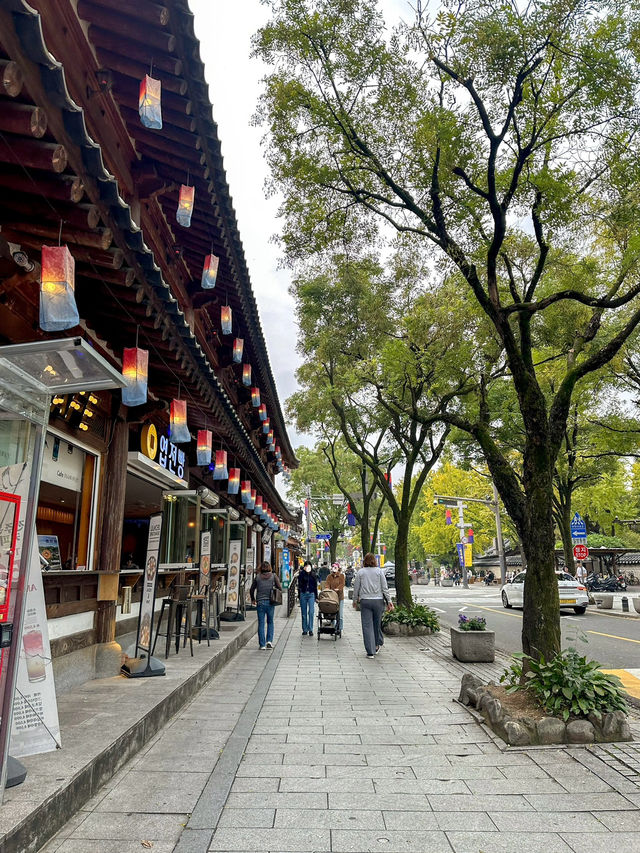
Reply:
x=263, y=648
x=269, y=645
x=371, y=656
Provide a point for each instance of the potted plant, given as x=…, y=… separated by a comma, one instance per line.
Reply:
x=410, y=621
x=471, y=642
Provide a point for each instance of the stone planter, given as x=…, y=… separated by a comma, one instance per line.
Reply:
x=604, y=601
x=423, y=581
x=471, y=579
x=636, y=604
x=446, y=582
x=473, y=646
x=397, y=629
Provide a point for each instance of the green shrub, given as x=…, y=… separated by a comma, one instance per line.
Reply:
x=568, y=685
x=413, y=616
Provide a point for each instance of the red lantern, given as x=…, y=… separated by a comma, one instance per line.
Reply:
x=255, y=397
x=203, y=449
x=58, y=308
x=220, y=472
x=246, y=375
x=135, y=370
x=209, y=272
x=252, y=500
x=262, y=412
x=178, y=422
x=234, y=481
x=185, y=205
x=238, y=347
x=245, y=491
x=266, y=426
x=149, y=103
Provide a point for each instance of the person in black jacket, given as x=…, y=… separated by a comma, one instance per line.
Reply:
x=308, y=594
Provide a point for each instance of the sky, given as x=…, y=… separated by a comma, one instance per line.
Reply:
x=225, y=31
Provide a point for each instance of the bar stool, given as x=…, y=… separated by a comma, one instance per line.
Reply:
x=179, y=600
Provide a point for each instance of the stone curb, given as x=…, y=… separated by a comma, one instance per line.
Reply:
x=42, y=824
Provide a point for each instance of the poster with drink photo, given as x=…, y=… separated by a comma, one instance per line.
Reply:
x=147, y=602
x=205, y=560
x=250, y=569
x=233, y=575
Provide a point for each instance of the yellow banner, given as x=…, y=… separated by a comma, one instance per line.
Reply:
x=468, y=555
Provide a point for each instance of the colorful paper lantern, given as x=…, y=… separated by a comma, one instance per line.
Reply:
x=178, y=422
x=245, y=491
x=259, y=505
x=135, y=371
x=262, y=412
x=225, y=320
x=185, y=205
x=234, y=481
x=238, y=347
x=447, y=517
x=203, y=448
x=270, y=436
x=209, y=272
x=266, y=426
x=246, y=375
x=252, y=499
x=220, y=471
x=58, y=309
x=255, y=397
x=150, y=103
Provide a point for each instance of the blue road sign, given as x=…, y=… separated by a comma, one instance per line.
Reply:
x=578, y=527
x=322, y=536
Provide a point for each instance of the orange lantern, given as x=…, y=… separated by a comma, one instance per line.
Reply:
x=185, y=205
x=178, y=422
x=203, y=449
x=150, y=104
x=209, y=272
x=135, y=370
x=225, y=320
x=246, y=375
x=255, y=397
x=58, y=309
x=238, y=347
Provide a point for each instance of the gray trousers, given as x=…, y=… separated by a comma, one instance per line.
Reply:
x=371, y=610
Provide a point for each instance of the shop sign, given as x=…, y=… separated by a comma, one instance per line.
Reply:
x=233, y=576
x=147, y=601
x=169, y=456
x=267, y=550
x=286, y=569
x=205, y=559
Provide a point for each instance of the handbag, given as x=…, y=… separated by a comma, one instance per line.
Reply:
x=275, y=596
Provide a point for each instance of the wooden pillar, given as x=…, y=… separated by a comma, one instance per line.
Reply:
x=115, y=479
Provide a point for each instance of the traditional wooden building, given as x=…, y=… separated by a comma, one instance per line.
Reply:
x=147, y=217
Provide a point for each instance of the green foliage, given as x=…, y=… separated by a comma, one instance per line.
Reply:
x=472, y=623
x=567, y=685
x=414, y=616
x=596, y=540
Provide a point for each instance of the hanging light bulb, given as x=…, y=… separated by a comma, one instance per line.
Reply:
x=185, y=205
x=150, y=103
x=225, y=320
x=238, y=347
x=178, y=422
x=220, y=472
x=234, y=481
x=203, y=448
x=246, y=375
x=58, y=309
x=209, y=272
x=135, y=370
x=255, y=397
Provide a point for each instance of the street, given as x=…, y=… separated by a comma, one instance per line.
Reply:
x=613, y=640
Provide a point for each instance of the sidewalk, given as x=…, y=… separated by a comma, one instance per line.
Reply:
x=321, y=749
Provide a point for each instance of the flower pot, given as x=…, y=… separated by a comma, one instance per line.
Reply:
x=604, y=601
x=398, y=629
x=447, y=581
x=473, y=646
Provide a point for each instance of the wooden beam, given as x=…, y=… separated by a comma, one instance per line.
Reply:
x=35, y=154
x=23, y=119
x=18, y=232
x=12, y=79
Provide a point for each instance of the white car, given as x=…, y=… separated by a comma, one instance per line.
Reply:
x=572, y=593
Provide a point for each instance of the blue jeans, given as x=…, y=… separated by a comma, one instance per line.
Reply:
x=307, y=603
x=265, y=611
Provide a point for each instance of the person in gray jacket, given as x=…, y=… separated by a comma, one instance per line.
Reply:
x=370, y=590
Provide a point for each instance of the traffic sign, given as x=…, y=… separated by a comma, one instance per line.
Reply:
x=578, y=527
x=581, y=552
x=322, y=536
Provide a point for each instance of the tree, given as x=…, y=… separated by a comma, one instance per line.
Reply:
x=502, y=138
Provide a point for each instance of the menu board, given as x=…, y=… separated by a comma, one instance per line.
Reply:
x=145, y=621
x=233, y=575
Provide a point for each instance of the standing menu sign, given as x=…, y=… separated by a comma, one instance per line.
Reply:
x=140, y=667
x=250, y=569
x=205, y=560
x=233, y=576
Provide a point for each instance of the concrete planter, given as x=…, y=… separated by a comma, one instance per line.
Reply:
x=636, y=604
x=473, y=646
x=423, y=581
x=446, y=582
x=604, y=601
x=397, y=629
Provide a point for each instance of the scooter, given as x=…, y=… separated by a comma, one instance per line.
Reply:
x=595, y=583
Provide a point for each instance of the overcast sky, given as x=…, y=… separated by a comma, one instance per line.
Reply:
x=225, y=31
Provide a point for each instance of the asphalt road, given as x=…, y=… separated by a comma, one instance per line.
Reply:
x=614, y=641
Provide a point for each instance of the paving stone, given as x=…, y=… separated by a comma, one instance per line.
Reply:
x=556, y=821
x=329, y=819
x=281, y=770
x=303, y=784
x=278, y=801
x=354, y=841
x=247, y=818
x=251, y=785
x=628, y=842
x=108, y=826
x=265, y=840
x=155, y=792
x=381, y=802
x=71, y=845
x=507, y=842
x=579, y=802
x=472, y=803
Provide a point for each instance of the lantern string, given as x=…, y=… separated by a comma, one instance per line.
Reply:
x=151, y=67
x=60, y=233
x=137, y=334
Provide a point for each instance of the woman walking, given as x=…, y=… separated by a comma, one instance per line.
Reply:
x=260, y=594
x=308, y=594
x=336, y=581
x=371, y=591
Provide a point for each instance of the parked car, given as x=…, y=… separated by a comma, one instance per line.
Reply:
x=390, y=573
x=572, y=593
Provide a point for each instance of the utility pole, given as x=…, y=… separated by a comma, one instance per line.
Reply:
x=499, y=539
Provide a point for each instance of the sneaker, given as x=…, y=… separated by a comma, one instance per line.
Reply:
x=263, y=648
x=304, y=633
x=371, y=656
x=311, y=633
x=269, y=645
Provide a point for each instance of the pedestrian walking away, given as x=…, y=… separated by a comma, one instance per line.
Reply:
x=370, y=590
x=261, y=595
x=307, y=594
x=336, y=582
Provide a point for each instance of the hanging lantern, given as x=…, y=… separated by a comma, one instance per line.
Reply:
x=225, y=319
x=278, y=452
x=262, y=412
x=252, y=499
x=135, y=371
x=255, y=397
x=209, y=272
x=203, y=449
x=178, y=422
x=246, y=375
x=238, y=347
x=234, y=481
x=270, y=436
x=259, y=505
x=266, y=426
x=58, y=309
x=447, y=517
x=185, y=205
x=220, y=472
x=149, y=103
x=245, y=491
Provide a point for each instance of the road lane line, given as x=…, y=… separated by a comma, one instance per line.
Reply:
x=630, y=683
x=613, y=637
x=502, y=611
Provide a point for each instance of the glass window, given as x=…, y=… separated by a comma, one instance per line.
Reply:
x=217, y=525
x=519, y=578
x=180, y=529
x=66, y=505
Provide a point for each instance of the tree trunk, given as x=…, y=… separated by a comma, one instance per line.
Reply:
x=333, y=546
x=365, y=535
x=403, y=583
x=565, y=535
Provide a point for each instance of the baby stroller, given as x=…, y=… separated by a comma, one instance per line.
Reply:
x=329, y=613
